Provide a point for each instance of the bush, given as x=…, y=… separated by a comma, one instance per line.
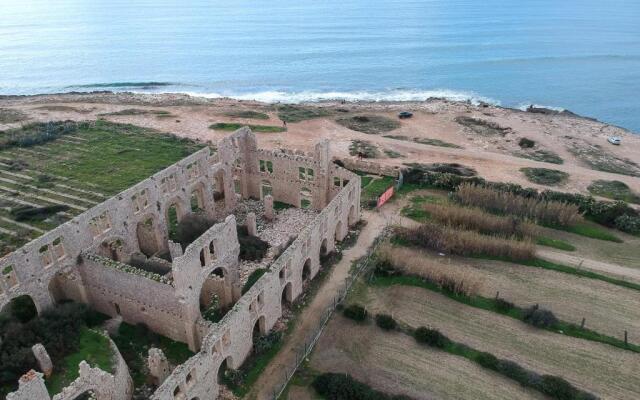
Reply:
x=191, y=227
x=37, y=133
x=252, y=248
x=29, y=213
x=628, y=223
x=465, y=243
x=487, y=360
x=526, y=143
x=386, y=322
x=334, y=386
x=355, y=312
x=371, y=124
x=545, y=176
x=557, y=388
x=267, y=342
x=503, y=305
x=431, y=337
x=539, y=317
x=514, y=371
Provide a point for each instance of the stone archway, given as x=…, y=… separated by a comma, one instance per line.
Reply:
x=353, y=218
x=306, y=271
x=173, y=216
x=225, y=366
x=259, y=329
x=338, y=233
x=196, y=199
x=22, y=307
x=287, y=295
x=147, y=237
x=324, y=250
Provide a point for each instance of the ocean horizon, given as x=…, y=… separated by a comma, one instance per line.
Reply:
x=581, y=56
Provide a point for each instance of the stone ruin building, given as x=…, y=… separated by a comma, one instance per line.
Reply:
x=86, y=260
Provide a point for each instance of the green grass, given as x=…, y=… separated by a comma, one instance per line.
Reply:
x=545, y=176
x=415, y=211
x=615, y=190
x=138, y=111
x=246, y=114
x=291, y=113
x=393, y=154
x=555, y=243
x=590, y=231
x=364, y=181
x=255, y=367
x=371, y=124
x=93, y=348
x=364, y=149
x=540, y=155
x=490, y=304
x=232, y=126
x=134, y=344
x=278, y=205
x=427, y=141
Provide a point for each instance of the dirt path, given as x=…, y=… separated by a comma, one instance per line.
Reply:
x=272, y=376
x=593, y=265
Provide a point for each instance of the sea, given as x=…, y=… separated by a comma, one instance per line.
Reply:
x=580, y=55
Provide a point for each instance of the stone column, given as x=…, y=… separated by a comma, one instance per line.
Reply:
x=158, y=365
x=43, y=359
x=251, y=224
x=268, y=207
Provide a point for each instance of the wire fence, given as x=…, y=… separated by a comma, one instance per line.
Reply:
x=362, y=268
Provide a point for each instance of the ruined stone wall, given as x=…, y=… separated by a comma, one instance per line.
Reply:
x=370, y=167
x=31, y=269
x=231, y=338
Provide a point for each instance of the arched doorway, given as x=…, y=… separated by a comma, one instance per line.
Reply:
x=197, y=200
x=287, y=295
x=22, y=308
x=306, y=271
x=218, y=186
x=259, y=329
x=338, y=233
x=323, y=248
x=353, y=218
x=224, y=368
x=265, y=189
x=174, y=215
x=146, y=235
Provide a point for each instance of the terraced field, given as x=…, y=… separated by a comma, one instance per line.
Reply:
x=603, y=370
x=395, y=363
x=75, y=172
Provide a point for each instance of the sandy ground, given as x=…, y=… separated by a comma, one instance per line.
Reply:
x=491, y=156
x=395, y=363
x=604, y=370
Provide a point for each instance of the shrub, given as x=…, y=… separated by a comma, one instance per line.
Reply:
x=431, y=337
x=487, y=360
x=23, y=309
x=545, y=176
x=191, y=227
x=557, y=388
x=465, y=243
x=503, y=305
x=514, y=371
x=355, y=312
x=628, y=223
x=526, y=143
x=386, y=322
x=539, y=317
x=252, y=248
x=334, y=386
x=445, y=168
x=372, y=124
x=267, y=342
x=495, y=201
x=37, y=133
x=29, y=213
x=475, y=219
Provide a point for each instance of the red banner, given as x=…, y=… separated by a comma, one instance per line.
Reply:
x=385, y=196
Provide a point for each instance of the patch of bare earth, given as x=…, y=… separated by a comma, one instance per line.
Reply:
x=603, y=370
x=395, y=363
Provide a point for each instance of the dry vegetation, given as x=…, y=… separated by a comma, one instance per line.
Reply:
x=396, y=363
x=545, y=212
x=474, y=219
x=405, y=262
x=465, y=243
x=605, y=371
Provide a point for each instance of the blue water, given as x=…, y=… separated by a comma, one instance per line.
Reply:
x=580, y=55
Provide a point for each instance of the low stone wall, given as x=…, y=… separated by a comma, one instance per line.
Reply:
x=370, y=167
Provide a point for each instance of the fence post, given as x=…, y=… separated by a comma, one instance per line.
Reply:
x=625, y=338
x=582, y=324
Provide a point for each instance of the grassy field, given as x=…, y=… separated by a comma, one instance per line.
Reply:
x=78, y=171
x=94, y=349
x=394, y=362
x=371, y=124
x=428, y=141
x=595, y=367
x=232, y=126
x=614, y=190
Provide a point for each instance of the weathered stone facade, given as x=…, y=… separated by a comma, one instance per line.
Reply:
x=88, y=258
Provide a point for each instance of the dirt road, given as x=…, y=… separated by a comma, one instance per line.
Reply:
x=272, y=377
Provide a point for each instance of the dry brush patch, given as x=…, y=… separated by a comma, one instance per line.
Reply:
x=594, y=367
x=474, y=219
x=410, y=262
x=542, y=211
x=465, y=243
x=395, y=363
